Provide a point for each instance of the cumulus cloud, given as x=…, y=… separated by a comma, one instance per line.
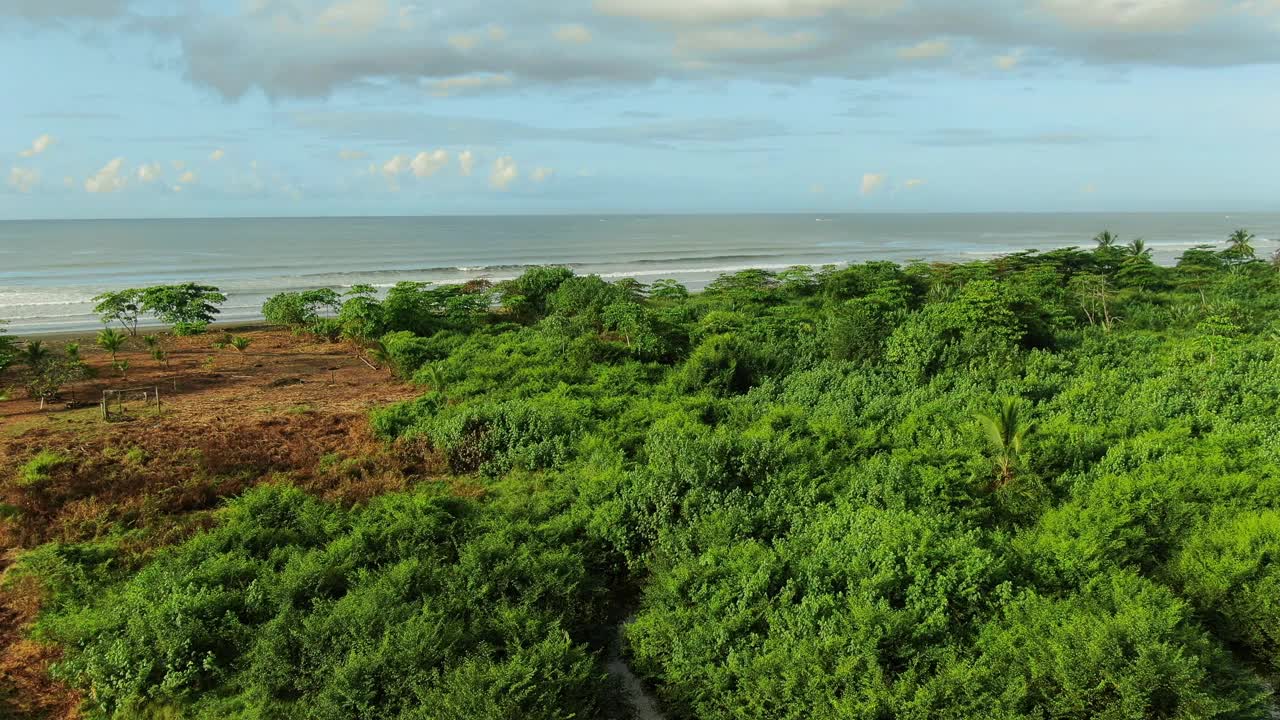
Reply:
x=575, y=34
x=913, y=183
x=1009, y=61
x=466, y=162
x=426, y=164
x=871, y=182
x=107, y=180
x=38, y=146
x=718, y=40
x=504, y=173
x=150, y=172
x=352, y=154
x=61, y=9
x=310, y=48
x=541, y=174
x=1132, y=15
x=179, y=165
x=24, y=180
x=188, y=178
x=466, y=83
x=705, y=11
x=396, y=166
x=926, y=50
x=217, y=155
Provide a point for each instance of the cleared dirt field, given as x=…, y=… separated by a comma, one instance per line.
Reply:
x=289, y=409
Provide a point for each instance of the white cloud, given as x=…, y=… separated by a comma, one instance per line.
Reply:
x=753, y=38
x=575, y=34
x=38, y=146
x=927, y=50
x=352, y=154
x=352, y=17
x=872, y=182
x=497, y=33
x=176, y=188
x=541, y=174
x=395, y=166
x=709, y=11
x=108, y=179
x=179, y=165
x=463, y=43
x=23, y=180
x=464, y=83
x=505, y=172
x=217, y=155
x=1132, y=15
x=914, y=183
x=150, y=172
x=188, y=178
x=1009, y=61
x=68, y=182
x=466, y=162
x=427, y=164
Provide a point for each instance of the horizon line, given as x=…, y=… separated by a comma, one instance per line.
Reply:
x=797, y=213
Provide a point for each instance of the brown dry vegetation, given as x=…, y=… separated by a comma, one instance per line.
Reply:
x=291, y=410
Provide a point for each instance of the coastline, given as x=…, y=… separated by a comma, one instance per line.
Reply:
x=88, y=337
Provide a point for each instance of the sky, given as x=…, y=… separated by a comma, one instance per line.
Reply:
x=201, y=108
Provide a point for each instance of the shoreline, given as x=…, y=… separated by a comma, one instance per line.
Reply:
x=89, y=337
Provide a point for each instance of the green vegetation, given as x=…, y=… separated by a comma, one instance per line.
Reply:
x=8, y=348
x=1041, y=486
x=188, y=307
x=36, y=470
x=121, y=306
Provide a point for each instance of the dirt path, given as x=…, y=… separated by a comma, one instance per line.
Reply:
x=645, y=707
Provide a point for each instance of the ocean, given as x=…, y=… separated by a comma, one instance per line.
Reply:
x=49, y=270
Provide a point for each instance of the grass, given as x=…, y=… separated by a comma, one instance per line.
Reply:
x=37, y=469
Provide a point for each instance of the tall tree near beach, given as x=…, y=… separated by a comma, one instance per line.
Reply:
x=188, y=307
x=121, y=306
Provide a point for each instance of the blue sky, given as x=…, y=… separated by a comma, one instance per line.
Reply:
x=121, y=108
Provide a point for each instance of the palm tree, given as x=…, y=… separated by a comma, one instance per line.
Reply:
x=436, y=377
x=1007, y=430
x=1138, y=248
x=112, y=341
x=73, y=352
x=382, y=356
x=1240, y=246
x=35, y=354
x=240, y=343
x=1106, y=240
x=151, y=341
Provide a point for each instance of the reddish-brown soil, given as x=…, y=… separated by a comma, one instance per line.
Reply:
x=289, y=410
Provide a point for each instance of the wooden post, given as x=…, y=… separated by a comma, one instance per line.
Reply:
x=158, y=411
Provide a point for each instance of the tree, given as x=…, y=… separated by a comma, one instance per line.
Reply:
x=112, y=341
x=122, y=306
x=35, y=354
x=666, y=289
x=8, y=348
x=299, y=309
x=188, y=307
x=1239, y=248
x=1007, y=429
x=1095, y=294
x=1106, y=240
x=46, y=379
x=1138, y=249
